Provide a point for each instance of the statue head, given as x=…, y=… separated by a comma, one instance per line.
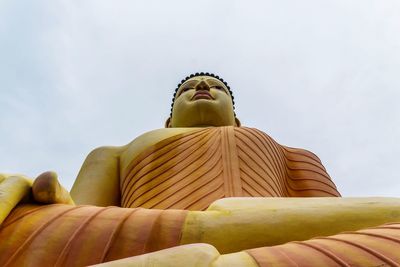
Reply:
x=202, y=100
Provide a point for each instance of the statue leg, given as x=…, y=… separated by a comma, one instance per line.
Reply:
x=377, y=246
x=67, y=235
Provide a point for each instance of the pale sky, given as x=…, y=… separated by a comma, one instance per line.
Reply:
x=320, y=75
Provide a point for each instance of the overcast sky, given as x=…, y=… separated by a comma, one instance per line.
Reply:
x=321, y=75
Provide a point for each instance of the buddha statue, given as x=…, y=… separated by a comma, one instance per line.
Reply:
x=183, y=195
x=201, y=156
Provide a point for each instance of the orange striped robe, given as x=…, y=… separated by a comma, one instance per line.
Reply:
x=375, y=246
x=65, y=235
x=192, y=170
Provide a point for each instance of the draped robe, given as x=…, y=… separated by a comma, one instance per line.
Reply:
x=191, y=170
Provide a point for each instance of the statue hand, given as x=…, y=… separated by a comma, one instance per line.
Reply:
x=13, y=188
x=16, y=188
x=47, y=190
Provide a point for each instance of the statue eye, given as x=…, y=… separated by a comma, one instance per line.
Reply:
x=218, y=87
x=185, y=90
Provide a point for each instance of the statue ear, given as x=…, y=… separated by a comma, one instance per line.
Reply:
x=238, y=123
x=168, y=123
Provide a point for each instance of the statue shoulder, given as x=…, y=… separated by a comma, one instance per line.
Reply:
x=289, y=152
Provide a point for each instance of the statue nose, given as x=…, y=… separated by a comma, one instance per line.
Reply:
x=202, y=86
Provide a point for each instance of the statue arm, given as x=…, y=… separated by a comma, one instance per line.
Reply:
x=98, y=180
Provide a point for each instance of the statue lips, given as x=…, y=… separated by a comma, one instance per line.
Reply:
x=202, y=94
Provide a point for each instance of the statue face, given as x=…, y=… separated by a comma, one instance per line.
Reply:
x=202, y=101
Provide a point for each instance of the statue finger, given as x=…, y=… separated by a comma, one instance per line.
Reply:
x=46, y=189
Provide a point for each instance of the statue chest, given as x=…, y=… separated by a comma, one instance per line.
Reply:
x=192, y=170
